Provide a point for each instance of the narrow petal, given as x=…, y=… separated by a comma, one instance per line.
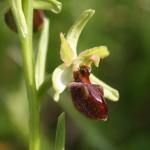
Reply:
x=109, y=92
x=94, y=55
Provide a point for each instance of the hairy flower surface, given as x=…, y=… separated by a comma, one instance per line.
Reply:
x=88, y=98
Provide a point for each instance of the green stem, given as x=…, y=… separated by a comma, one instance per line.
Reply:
x=29, y=72
x=24, y=21
x=34, y=136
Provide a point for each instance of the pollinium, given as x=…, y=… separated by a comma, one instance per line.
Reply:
x=88, y=98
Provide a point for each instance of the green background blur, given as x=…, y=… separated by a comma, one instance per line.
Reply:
x=123, y=26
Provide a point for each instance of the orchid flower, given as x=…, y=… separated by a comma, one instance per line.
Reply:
x=63, y=75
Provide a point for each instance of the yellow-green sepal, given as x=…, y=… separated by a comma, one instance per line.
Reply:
x=78, y=26
x=66, y=52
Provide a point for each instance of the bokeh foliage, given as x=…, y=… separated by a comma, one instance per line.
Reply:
x=122, y=25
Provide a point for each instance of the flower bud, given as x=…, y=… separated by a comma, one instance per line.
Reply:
x=38, y=20
x=9, y=20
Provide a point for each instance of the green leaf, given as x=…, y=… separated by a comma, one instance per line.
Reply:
x=94, y=55
x=109, y=92
x=60, y=133
x=41, y=55
x=66, y=53
x=77, y=27
x=60, y=79
x=52, y=5
x=16, y=6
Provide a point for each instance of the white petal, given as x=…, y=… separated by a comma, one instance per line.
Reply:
x=60, y=79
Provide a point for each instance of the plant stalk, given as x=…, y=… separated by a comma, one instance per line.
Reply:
x=29, y=74
x=33, y=102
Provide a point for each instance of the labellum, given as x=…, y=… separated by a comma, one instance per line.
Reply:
x=88, y=98
x=38, y=20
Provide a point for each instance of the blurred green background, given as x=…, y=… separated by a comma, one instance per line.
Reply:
x=122, y=25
